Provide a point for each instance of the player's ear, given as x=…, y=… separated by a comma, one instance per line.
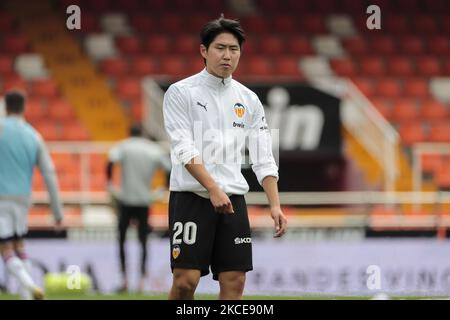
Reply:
x=203, y=51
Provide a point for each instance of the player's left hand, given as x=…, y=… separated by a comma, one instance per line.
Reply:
x=280, y=221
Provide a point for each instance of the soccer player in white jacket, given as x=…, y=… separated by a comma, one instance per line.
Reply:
x=21, y=149
x=209, y=117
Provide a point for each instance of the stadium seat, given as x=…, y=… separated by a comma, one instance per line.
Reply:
x=439, y=45
x=344, y=67
x=144, y=65
x=255, y=24
x=383, y=44
x=34, y=111
x=173, y=65
x=114, y=66
x=372, y=66
x=404, y=109
x=287, y=66
x=313, y=24
x=412, y=132
x=400, y=66
x=260, y=66
x=171, y=23
x=411, y=45
x=90, y=23
x=425, y=24
x=196, y=65
x=127, y=5
x=388, y=87
x=445, y=24
x=356, y=45
x=45, y=88
x=187, y=44
x=142, y=23
x=98, y=5
x=299, y=45
x=272, y=45
x=431, y=163
x=14, y=81
x=196, y=21
x=433, y=110
x=443, y=178
x=129, y=44
x=428, y=66
x=137, y=110
x=129, y=88
x=416, y=87
x=7, y=23
x=284, y=24
x=395, y=23
x=6, y=64
x=73, y=131
x=440, y=131
x=60, y=110
x=49, y=130
x=383, y=106
x=365, y=85
x=15, y=44
x=157, y=44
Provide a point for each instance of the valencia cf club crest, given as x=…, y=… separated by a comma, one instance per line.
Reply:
x=175, y=251
x=239, y=109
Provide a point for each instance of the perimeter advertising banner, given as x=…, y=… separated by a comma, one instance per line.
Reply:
x=281, y=267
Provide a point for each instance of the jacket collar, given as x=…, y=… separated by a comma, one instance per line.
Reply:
x=215, y=81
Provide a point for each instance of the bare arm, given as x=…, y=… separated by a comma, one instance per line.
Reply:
x=270, y=186
x=219, y=199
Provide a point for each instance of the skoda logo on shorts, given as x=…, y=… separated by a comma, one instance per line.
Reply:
x=239, y=109
x=176, y=251
x=238, y=240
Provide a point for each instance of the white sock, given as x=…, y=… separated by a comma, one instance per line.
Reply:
x=16, y=267
x=25, y=294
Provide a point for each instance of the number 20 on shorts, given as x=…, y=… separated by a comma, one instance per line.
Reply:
x=186, y=233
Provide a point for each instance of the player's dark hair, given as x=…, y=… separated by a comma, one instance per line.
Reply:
x=215, y=27
x=15, y=102
x=135, y=130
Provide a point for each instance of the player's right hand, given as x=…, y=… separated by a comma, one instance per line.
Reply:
x=220, y=201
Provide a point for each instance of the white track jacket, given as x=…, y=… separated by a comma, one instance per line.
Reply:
x=215, y=119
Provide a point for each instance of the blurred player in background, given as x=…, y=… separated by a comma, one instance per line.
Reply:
x=208, y=216
x=21, y=149
x=139, y=158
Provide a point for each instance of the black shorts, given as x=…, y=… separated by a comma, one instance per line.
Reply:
x=201, y=237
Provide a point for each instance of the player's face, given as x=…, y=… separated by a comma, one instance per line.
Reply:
x=222, y=56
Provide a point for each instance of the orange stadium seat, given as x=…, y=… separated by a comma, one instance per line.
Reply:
x=14, y=81
x=34, y=111
x=48, y=130
x=433, y=110
x=443, y=177
x=365, y=85
x=73, y=131
x=440, y=131
x=187, y=44
x=383, y=106
x=173, y=65
x=287, y=66
x=431, y=163
x=272, y=45
x=259, y=66
x=196, y=65
x=416, y=87
x=404, y=109
x=129, y=88
x=388, y=87
x=157, y=44
x=137, y=111
x=412, y=132
x=59, y=109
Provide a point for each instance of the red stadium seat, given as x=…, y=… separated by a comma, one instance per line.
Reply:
x=158, y=44
x=440, y=131
x=285, y=24
x=7, y=24
x=60, y=110
x=34, y=111
x=425, y=24
x=299, y=45
x=410, y=6
x=404, y=109
x=428, y=66
x=44, y=88
x=171, y=23
x=144, y=65
x=433, y=110
x=388, y=87
x=129, y=44
x=313, y=24
x=446, y=67
x=137, y=110
x=412, y=132
x=196, y=65
x=14, y=81
x=129, y=88
x=15, y=43
x=365, y=85
x=89, y=23
x=272, y=45
x=255, y=24
x=372, y=66
x=127, y=5
x=156, y=5
x=296, y=5
x=142, y=23
x=344, y=67
x=400, y=66
x=416, y=87
x=259, y=66
x=187, y=44
x=396, y=24
x=287, y=66
x=6, y=65
x=114, y=66
x=445, y=24
x=439, y=45
x=173, y=65
x=98, y=5
x=443, y=177
x=411, y=45
x=383, y=44
x=356, y=45
x=73, y=131
x=269, y=5
x=48, y=130
x=325, y=6
x=196, y=22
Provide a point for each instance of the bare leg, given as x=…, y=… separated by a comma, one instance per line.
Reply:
x=231, y=285
x=185, y=282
